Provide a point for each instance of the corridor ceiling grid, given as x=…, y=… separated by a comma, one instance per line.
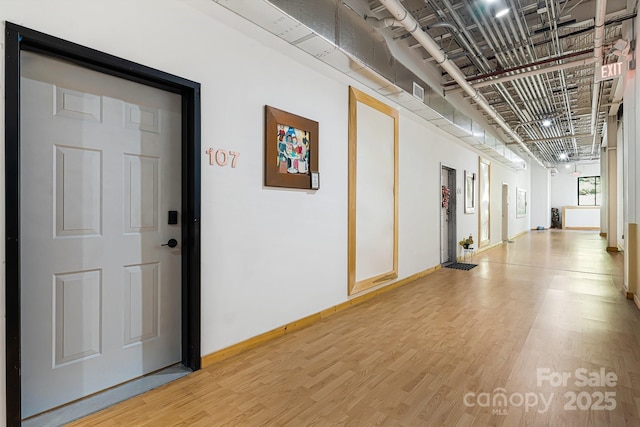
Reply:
x=551, y=111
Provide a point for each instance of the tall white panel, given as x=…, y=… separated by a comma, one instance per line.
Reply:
x=140, y=193
x=141, y=305
x=375, y=193
x=78, y=308
x=78, y=184
x=484, y=200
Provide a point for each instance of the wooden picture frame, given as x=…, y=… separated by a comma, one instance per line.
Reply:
x=290, y=149
x=469, y=192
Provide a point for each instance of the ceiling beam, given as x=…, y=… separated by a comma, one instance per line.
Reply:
x=574, y=64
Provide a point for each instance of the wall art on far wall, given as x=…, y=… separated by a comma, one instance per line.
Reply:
x=291, y=149
x=469, y=192
x=521, y=202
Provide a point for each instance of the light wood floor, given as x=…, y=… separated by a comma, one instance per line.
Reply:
x=423, y=354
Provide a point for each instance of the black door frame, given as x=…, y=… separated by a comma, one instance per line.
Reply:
x=451, y=215
x=18, y=38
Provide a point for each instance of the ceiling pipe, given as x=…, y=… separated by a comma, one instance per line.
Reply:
x=527, y=89
x=553, y=19
x=382, y=23
x=413, y=27
x=559, y=138
x=472, y=48
x=573, y=64
x=601, y=9
x=494, y=39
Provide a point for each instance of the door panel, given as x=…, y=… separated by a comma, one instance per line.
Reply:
x=100, y=169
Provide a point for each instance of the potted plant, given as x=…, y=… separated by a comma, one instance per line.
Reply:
x=466, y=242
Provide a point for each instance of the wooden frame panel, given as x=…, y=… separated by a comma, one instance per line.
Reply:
x=354, y=285
x=484, y=184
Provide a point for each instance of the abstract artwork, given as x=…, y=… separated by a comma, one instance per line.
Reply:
x=293, y=150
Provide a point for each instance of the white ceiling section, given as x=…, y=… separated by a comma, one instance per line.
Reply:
x=516, y=86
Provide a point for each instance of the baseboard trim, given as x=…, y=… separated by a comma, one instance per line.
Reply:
x=487, y=247
x=225, y=353
x=582, y=228
x=636, y=300
x=519, y=234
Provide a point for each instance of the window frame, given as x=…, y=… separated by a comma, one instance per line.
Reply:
x=598, y=186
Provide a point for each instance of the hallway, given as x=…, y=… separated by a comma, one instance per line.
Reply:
x=448, y=349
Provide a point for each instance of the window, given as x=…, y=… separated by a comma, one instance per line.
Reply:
x=589, y=191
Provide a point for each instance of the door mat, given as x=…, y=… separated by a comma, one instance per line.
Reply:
x=461, y=266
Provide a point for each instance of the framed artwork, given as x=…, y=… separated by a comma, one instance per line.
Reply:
x=469, y=192
x=521, y=202
x=290, y=149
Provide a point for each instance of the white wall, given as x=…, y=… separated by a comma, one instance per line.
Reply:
x=269, y=256
x=581, y=217
x=564, y=186
x=514, y=179
x=540, y=196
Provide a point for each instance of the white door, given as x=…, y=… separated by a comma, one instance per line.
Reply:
x=444, y=220
x=99, y=170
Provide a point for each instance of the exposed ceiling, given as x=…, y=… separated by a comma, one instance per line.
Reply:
x=506, y=60
x=528, y=75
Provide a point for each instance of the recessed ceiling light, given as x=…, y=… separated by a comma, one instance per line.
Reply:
x=568, y=166
x=546, y=123
x=502, y=12
x=562, y=156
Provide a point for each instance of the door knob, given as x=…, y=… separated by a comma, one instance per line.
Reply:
x=172, y=243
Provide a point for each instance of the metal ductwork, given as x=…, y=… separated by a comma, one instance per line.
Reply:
x=356, y=45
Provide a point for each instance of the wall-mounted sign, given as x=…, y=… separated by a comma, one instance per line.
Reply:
x=610, y=71
x=221, y=157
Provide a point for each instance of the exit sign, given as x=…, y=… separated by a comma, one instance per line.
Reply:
x=610, y=71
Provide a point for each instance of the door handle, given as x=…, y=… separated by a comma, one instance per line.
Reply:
x=172, y=243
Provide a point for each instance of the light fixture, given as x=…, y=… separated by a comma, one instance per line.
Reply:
x=546, y=123
x=502, y=12
x=562, y=156
x=567, y=166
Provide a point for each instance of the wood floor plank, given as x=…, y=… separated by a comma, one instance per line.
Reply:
x=429, y=352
